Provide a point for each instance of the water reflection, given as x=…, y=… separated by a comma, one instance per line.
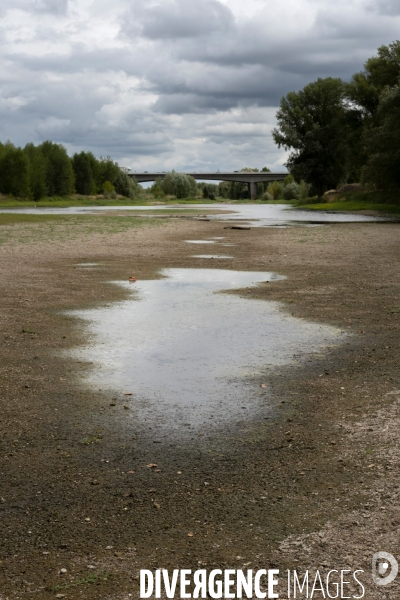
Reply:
x=258, y=215
x=200, y=241
x=188, y=354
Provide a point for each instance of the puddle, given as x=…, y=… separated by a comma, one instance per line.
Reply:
x=189, y=355
x=200, y=241
x=88, y=265
x=211, y=256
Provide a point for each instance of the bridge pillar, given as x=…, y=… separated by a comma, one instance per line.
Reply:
x=252, y=187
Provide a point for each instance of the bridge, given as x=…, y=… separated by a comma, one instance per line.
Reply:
x=249, y=177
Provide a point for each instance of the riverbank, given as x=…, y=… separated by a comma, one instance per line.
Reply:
x=367, y=203
x=313, y=484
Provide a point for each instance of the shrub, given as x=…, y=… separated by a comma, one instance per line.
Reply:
x=291, y=191
x=275, y=190
x=304, y=190
x=288, y=179
x=266, y=197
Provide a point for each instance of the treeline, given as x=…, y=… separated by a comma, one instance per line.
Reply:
x=341, y=132
x=35, y=172
x=181, y=185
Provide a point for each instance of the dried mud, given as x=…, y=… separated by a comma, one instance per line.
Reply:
x=314, y=485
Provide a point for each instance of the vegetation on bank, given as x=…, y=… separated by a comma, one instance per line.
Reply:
x=366, y=201
x=46, y=171
x=341, y=132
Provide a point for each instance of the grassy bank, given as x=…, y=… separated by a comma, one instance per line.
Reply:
x=355, y=202
x=72, y=201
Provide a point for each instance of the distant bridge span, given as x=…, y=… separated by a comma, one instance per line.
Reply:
x=251, y=178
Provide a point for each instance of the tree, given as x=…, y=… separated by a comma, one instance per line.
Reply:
x=363, y=95
x=312, y=122
x=383, y=143
x=126, y=186
x=59, y=172
x=84, y=166
x=379, y=72
x=179, y=185
x=36, y=172
x=14, y=171
x=107, y=170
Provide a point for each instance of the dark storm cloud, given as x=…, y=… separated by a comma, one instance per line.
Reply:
x=386, y=7
x=189, y=82
x=178, y=19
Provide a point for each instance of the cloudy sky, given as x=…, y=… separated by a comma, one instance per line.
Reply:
x=184, y=84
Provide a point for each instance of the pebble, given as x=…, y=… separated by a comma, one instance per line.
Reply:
x=63, y=571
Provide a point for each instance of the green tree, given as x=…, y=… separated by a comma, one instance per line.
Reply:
x=84, y=165
x=312, y=123
x=36, y=172
x=363, y=95
x=157, y=188
x=59, y=172
x=107, y=170
x=380, y=71
x=383, y=144
x=126, y=186
x=179, y=185
x=14, y=171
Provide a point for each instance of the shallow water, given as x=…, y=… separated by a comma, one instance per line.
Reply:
x=223, y=256
x=258, y=215
x=88, y=265
x=200, y=241
x=189, y=355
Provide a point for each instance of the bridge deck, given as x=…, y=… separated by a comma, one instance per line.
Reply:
x=251, y=178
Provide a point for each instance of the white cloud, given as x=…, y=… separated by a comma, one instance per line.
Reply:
x=170, y=83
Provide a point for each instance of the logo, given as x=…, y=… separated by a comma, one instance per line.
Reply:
x=381, y=561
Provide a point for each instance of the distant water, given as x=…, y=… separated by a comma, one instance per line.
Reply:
x=257, y=215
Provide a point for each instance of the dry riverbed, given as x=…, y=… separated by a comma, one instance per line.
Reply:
x=315, y=484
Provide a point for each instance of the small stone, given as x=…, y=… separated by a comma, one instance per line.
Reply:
x=63, y=571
